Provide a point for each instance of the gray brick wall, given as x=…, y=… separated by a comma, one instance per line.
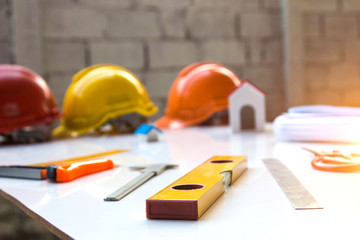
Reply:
x=332, y=53
x=6, y=55
x=154, y=39
x=157, y=38
x=129, y=54
x=172, y=54
x=73, y=23
x=64, y=56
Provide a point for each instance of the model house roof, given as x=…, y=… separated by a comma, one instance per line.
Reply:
x=146, y=128
x=245, y=82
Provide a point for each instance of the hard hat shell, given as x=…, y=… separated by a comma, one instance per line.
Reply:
x=25, y=99
x=99, y=93
x=200, y=90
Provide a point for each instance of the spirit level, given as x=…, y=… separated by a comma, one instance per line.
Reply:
x=191, y=195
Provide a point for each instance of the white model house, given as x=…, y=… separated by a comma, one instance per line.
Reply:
x=247, y=107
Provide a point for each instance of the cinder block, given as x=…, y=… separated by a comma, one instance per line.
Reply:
x=341, y=26
x=227, y=52
x=127, y=54
x=120, y=4
x=5, y=23
x=351, y=5
x=272, y=4
x=269, y=51
x=5, y=52
x=59, y=83
x=211, y=22
x=346, y=73
x=255, y=51
x=159, y=83
x=322, y=51
x=274, y=51
x=173, y=22
x=317, y=5
x=136, y=24
x=64, y=56
x=27, y=34
x=172, y=54
x=328, y=96
x=73, y=23
x=311, y=25
x=316, y=77
x=260, y=25
x=352, y=50
x=53, y=4
x=275, y=105
x=239, y=5
x=268, y=78
x=164, y=4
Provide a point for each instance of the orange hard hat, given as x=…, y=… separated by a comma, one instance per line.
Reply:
x=25, y=99
x=199, y=91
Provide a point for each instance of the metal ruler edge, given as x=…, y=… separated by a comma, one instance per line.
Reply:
x=299, y=197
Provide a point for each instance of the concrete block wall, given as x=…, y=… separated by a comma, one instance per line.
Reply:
x=331, y=51
x=156, y=39
x=5, y=32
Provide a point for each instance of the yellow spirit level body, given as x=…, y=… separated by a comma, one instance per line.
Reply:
x=191, y=195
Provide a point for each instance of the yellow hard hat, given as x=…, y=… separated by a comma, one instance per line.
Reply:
x=99, y=93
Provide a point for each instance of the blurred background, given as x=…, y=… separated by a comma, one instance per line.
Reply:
x=155, y=39
x=298, y=52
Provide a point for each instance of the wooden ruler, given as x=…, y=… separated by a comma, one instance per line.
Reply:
x=297, y=194
x=191, y=195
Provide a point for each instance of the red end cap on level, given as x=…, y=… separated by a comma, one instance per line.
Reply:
x=172, y=209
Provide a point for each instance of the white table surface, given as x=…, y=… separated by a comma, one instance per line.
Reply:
x=253, y=208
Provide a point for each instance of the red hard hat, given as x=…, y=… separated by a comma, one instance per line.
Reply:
x=25, y=99
x=199, y=91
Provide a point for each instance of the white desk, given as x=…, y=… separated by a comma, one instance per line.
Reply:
x=253, y=208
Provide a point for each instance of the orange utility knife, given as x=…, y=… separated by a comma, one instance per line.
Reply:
x=62, y=170
x=56, y=173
